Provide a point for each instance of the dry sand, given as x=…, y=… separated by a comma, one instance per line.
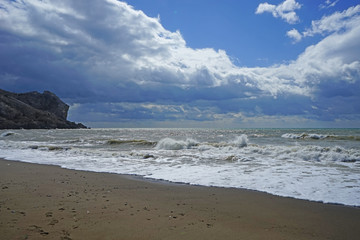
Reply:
x=48, y=202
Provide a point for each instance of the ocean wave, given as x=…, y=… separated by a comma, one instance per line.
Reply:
x=241, y=141
x=133, y=141
x=7, y=134
x=321, y=167
x=172, y=144
x=326, y=154
x=316, y=136
x=48, y=148
x=298, y=153
x=304, y=136
x=346, y=138
x=311, y=153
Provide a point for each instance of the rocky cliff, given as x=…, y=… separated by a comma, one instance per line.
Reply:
x=33, y=110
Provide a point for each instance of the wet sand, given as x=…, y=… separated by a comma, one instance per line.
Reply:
x=48, y=202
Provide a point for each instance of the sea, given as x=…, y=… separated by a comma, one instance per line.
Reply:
x=313, y=164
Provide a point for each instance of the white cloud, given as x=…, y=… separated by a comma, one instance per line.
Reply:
x=118, y=54
x=265, y=7
x=335, y=58
x=284, y=10
x=336, y=22
x=294, y=34
x=328, y=4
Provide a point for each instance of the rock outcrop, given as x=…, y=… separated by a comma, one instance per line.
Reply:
x=33, y=110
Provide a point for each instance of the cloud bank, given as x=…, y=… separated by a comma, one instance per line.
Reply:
x=116, y=64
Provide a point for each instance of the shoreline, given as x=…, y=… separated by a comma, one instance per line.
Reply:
x=136, y=177
x=54, y=203
x=166, y=182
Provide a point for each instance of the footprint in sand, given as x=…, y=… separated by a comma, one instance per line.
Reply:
x=53, y=222
x=38, y=229
x=66, y=235
x=49, y=214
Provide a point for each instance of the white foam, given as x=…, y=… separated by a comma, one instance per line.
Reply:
x=317, y=136
x=304, y=136
x=308, y=171
x=6, y=134
x=241, y=141
x=172, y=144
x=291, y=135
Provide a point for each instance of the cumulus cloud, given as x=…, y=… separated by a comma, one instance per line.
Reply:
x=294, y=34
x=336, y=22
x=284, y=10
x=117, y=64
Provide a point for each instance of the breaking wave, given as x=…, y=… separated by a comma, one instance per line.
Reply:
x=317, y=154
x=321, y=165
x=134, y=141
x=319, y=136
x=172, y=144
x=241, y=141
x=48, y=148
x=6, y=134
x=304, y=136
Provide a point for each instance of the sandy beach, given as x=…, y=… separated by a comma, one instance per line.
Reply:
x=48, y=202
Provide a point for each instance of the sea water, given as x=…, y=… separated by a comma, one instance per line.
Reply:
x=313, y=164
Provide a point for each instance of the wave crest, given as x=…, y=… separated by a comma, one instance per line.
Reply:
x=134, y=141
x=6, y=134
x=316, y=136
x=304, y=136
x=241, y=141
x=172, y=144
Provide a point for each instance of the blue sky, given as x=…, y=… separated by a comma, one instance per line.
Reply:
x=183, y=63
x=250, y=39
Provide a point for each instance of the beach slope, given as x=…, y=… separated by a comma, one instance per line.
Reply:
x=48, y=202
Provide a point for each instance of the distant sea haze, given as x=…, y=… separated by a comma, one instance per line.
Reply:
x=313, y=164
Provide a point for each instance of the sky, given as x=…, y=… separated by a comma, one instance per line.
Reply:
x=186, y=63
